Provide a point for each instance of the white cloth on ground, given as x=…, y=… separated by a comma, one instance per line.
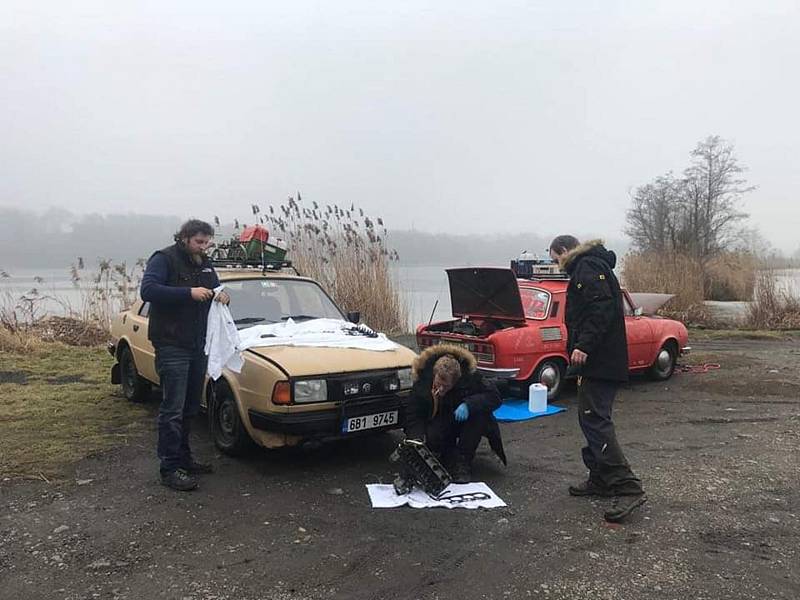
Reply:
x=320, y=333
x=384, y=496
x=222, y=340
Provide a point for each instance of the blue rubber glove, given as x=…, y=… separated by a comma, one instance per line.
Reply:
x=462, y=412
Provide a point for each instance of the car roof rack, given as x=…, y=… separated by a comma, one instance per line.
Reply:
x=266, y=266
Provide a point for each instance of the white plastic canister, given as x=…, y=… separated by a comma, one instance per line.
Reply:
x=537, y=398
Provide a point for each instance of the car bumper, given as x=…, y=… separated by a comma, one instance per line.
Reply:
x=499, y=373
x=328, y=423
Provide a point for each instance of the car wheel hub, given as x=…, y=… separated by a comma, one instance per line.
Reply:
x=129, y=377
x=226, y=418
x=549, y=376
x=664, y=360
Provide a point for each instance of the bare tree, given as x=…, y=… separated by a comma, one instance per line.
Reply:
x=652, y=218
x=697, y=215
x=714, y=188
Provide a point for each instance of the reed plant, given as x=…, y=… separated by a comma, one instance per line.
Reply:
x=345, y=250
x=773, y=306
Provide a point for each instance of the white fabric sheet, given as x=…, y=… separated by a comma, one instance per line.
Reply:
x=320, y=333
x=222, y=340
x=384, y=496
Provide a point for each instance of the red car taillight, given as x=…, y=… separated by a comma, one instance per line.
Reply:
x=483, y=352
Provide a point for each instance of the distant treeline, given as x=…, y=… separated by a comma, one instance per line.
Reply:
x=56, y=238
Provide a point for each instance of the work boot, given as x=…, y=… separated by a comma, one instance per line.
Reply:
x=198, y=468
x=179, y=480
x=624, y=507
x=461, y=472
x=590, y=488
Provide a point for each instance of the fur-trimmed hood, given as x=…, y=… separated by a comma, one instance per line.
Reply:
x=427, y=357
x=594, y=248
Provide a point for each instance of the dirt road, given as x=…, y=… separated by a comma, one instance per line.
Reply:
x=719, y=454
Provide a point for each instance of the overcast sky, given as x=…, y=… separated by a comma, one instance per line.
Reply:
x=485, y=116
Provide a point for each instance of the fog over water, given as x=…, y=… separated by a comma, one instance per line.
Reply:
x=469, y=117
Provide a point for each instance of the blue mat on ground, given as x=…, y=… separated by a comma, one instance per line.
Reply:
x=516, y=409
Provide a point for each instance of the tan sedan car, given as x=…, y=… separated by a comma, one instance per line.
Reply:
x=284, y=395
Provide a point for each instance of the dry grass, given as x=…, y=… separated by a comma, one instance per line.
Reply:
x=346, y=252
x=21, y=341
x=675, y=274
x=731, y=277
x=728, y=277
x=57, y=405
x=772, y=307
x=25, y=323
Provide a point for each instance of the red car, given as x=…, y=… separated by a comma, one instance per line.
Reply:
x=515, y=328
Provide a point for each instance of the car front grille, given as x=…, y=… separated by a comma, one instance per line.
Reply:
x=360, y=386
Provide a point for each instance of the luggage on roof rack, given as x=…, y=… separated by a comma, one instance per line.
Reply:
x=530, y=266
x=251, y=248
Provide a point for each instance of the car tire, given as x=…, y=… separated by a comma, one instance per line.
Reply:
x=550, y=372
x=226, y=427
x=134, y=387
x=664, y=365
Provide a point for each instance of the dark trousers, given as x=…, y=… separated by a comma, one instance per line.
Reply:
x=182, y=374
x=602, y=454
x=453, y=440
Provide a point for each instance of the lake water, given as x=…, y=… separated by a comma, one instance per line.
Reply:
x=424, y=290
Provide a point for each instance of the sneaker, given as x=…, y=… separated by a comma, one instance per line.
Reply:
x=179, y=480
x=197, y=468
x=624, y=507
x=461, y=472
x=589, y=488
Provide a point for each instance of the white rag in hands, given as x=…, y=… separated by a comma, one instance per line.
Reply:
x=222, y=340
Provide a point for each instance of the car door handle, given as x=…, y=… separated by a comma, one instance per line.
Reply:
x=136, y=328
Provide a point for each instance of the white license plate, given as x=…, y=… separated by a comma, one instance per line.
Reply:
x=383, y=419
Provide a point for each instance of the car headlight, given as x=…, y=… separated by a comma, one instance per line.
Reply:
x=404, y=376
x=310, y=390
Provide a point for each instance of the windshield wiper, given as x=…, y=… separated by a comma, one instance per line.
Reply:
x=248, y=320
x=299, y=317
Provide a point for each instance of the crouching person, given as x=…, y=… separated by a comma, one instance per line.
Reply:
x=451, y=408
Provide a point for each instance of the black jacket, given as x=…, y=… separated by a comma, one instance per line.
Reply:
x=594, y=315
x=479, y=394
x=175, y=319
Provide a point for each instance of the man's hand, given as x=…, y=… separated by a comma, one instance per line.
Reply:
x=223, y=297
x=578, y=357
x=201, y=294
x=462, y=412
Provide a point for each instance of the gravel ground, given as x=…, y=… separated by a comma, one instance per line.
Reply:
x=719, y=454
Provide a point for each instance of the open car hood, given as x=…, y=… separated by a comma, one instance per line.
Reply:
x=490, y=292
x=650, y=303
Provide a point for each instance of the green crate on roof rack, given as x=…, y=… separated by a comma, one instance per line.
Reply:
x=251, y=248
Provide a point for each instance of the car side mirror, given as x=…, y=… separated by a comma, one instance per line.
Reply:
x=637, y=312
x=354, y=316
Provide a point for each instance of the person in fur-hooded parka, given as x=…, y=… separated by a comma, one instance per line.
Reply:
x=451, y=408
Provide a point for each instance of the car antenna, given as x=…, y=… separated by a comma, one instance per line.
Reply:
x=435, y=304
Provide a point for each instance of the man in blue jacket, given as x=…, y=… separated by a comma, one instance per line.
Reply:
x=179, y=284
x=598, y=349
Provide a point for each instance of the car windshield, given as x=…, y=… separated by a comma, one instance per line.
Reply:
x=264, y=301
x=535, y=303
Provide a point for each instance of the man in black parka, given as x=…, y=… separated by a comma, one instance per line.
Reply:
x=598, y=350
x=451, y=407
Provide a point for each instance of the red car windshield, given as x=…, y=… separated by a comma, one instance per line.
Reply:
x=535, y=303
